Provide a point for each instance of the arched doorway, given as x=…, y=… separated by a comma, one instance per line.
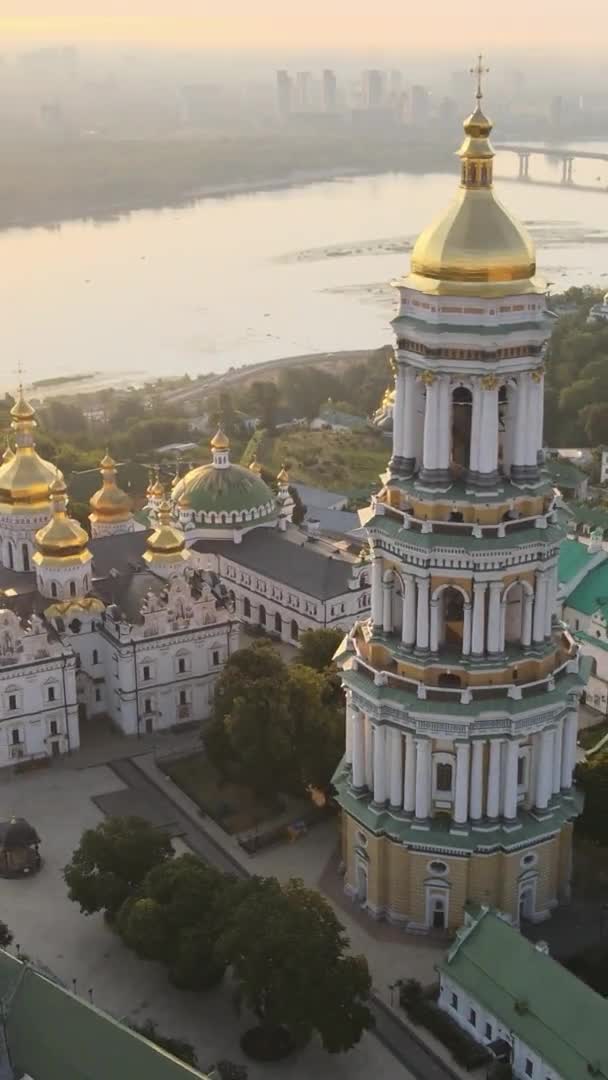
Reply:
x=462, y=413
x=449, y=679
x=361, y=883
x=527, y=901
x=453, y=617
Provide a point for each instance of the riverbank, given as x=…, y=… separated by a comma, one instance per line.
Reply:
x=47, y=183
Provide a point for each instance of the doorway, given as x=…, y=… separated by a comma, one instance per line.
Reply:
x=55, y=749
x=526, y=902
x=439, y=914
x=361, y=883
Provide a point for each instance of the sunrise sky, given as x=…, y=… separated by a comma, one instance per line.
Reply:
x=445, y=25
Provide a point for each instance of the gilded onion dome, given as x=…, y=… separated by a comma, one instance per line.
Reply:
x=283, y=476
x=167, y=543
x=220, y=440
x=110, y=503
x=255, y=466
x=475, y=242
x=25, y=477
x=62, y=537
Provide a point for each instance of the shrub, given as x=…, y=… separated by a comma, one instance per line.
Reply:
x=422, y=1010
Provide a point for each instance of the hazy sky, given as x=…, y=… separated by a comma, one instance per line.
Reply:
x=394, y=25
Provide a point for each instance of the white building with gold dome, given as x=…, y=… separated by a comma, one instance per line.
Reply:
x=462, y=688
x=124, y=625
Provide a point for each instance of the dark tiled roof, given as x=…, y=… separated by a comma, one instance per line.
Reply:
x=122, y=553
x=299, y=566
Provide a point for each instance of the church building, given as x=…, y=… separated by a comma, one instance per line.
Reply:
x=462, y=688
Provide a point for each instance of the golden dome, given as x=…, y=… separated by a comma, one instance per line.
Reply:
x=475, y=242
x=25, y=477
x=184, y=502
x=62, y=537
x=8, y=454
x=110, y=503
x=220, y=441
x=283, y=476
x=167, y=540
x=255, y=466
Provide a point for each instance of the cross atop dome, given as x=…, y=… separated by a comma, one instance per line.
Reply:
x=479, y=71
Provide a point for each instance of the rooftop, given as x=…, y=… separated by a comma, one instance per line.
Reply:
x=53, y=1035
x=319, y=498
x=552, y=1011
x=575, y=560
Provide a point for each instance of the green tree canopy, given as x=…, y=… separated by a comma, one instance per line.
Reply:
x=317, y=647
x=175, y=918
x=111, y=862
x=289, y=958
x=592, y=777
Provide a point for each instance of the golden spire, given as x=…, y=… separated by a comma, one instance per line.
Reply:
x=283, y=476
x=220, y=440
x=167, y=543
x=110, y=503
x=255, y=465
x=158, y=488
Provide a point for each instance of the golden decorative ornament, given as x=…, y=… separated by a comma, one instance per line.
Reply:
x=428, y=378
x=490, y=382
x=538, y=375
x=283, y=476
x=220, y=441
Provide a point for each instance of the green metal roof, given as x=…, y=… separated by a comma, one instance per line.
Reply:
x=393, y=528
x=557, y=1015
x=573, y=557
x=585, y=514
x=592, y=593
x=563, y=474
x=229, y=490
x=54, y=1035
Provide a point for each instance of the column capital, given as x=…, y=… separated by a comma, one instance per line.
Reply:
x=480, y=586
x=495, y=586
x=423, y=582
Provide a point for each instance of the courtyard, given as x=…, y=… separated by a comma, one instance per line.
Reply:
x=85, y=955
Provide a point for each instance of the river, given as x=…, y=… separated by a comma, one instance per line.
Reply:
x=239, y=280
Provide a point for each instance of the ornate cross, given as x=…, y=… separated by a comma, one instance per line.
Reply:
x=479, y=71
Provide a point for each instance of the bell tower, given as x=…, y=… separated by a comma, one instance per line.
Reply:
x=462, y=688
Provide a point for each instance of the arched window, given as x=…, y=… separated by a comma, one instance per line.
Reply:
x=11, y=555
x=278, y=623
x=444, y=777
x=72, y=588
x=484, y=174
x=95, y=656
x=472, y=174
x=247, y=608
x=234, y=519
x=54, y=589
x=262, y=616
x=25, y=551
x=462, y=412
x=295, y=630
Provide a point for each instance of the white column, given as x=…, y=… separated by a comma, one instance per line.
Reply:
x=494, y=617
x=398, y=409
x=396, y=768
x=348, y=756
x=435, y=609
x=477, y=780
x=521, y=419
x=558, y=738
x=379, y=764
x=502, y=626
x=409, y=782
x=408, y=446
x=369, y=754
x=431, y=425
x=466, y=629
x=488, y=457
x=445, y=422
x=422, y=621
x=408, y=630
x=493, y=800
x=526, y=632
x=479, y=618
x=544, y=781
x=423, y=779
x=475, y=428
x=510, y=785
x=534, y=429
x=569, y=748
x=461, y=794
x=550, y=600
x=538, y=629
x=358, y=749
x=377, y=571
x=387, y=603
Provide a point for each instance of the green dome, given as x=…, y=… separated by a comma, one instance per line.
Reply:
x=226, y=491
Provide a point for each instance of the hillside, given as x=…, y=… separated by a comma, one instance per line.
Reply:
x=340, y=461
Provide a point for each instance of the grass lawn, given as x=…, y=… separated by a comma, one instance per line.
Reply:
x=339, y=461
x=232, y=806
x=589, y=737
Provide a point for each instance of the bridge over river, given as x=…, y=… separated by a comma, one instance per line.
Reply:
x=564, y=154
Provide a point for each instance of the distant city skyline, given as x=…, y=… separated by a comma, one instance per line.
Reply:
x=333, y=24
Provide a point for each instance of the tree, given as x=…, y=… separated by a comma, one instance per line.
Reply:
x=317, y=648
x=250, y=729
x=111, y=862
x=595, y=419
x=175, y=918
x=317, y=728
x=263, y=401
x=592, y=777
x=289, y=959
x=6, y=936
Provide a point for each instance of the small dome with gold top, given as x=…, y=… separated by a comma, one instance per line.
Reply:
x=25, y=477
x=62, y=537
x=166, y=546
x=110, y=503
x=475, y=243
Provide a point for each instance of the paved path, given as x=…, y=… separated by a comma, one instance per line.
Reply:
x=421, y=1062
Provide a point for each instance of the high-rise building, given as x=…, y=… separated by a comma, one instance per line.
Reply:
x=303, y=94
x=462, y=688
x=330, y=90
x=373, y=88
x=284, y=94
x=420, y=105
